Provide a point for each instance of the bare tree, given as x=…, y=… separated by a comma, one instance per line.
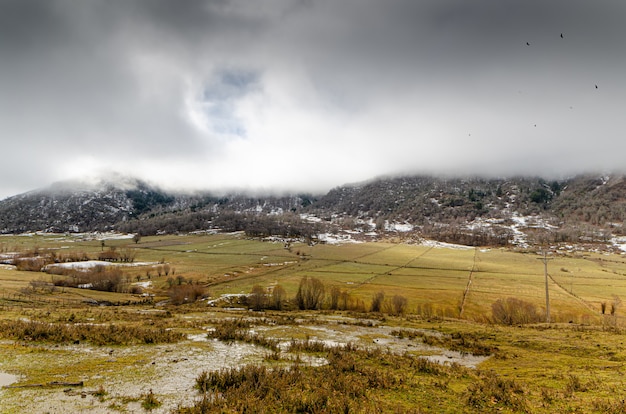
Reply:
x=310, y=293
x=127, y=255
x=257, y=298
x=278, y=295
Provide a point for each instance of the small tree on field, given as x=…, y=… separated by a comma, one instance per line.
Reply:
x=310, y=293
x=137, y=238
x=257, y=298
x=278, y=295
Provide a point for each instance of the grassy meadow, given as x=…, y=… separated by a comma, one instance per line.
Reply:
x=455, y=282
x=150, y=356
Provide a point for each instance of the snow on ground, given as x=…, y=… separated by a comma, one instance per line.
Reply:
x=113, y=236
x=519, y=237
x=619, y=242
x=7, y=379
x=437, y=244
x=87, y=264
x=90, y=264
x=336, y=238
x=227, y=297
x=81, y=236
x=400, y=227
x=310, y=218
x=522, y=222
x=279, y=264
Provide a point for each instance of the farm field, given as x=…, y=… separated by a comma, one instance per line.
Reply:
x=444, y=278
x=146, y=354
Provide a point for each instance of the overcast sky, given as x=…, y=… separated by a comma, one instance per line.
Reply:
x=308, y=95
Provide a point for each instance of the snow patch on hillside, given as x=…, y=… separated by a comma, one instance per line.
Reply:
x=619, y=242
x=399, y=227
x=442, y=245
x=336, y=238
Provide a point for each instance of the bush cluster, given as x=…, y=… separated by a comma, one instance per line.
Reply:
x=343, y=385
x=96, y=334
x=102, y=278
x=512, y=311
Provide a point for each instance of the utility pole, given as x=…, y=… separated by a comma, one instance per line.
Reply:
x=545, y=273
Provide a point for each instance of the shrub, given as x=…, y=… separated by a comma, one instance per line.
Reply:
x=96, y=334
x=238, y=330
x=180, y=294
x=31, y=264
x=495, y=393
x=103, y=278
x=398, y=304
x=377, y=302
x=344, y=385
x=150, y=401
x=512, y=311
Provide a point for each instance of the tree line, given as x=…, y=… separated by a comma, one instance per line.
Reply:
x=312, y=294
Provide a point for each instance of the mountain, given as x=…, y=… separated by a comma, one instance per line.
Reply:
x=78, y=206
x=470, y=210
x=122, y=203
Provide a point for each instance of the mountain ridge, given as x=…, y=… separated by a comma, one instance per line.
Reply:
x=584, y=204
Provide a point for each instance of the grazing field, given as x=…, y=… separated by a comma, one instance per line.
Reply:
x=61, y=350
x=455, y=282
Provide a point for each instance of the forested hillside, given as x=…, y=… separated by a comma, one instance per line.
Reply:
x=475, y=211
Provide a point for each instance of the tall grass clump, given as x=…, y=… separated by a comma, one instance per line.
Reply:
x=490, y=392
x=111, y=334
x=352, y=381
x=239, y=330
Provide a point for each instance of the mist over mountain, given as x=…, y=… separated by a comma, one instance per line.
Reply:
x=469, y=210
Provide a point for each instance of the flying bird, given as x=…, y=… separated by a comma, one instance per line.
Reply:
x=527, y=44
x=561, y=35
x=596, y=86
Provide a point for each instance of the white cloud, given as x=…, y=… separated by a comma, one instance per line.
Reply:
x=296, y=95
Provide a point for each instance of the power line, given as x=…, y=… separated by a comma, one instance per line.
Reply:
x=545, y=267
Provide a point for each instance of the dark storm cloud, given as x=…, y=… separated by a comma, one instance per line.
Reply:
x=228, y=93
